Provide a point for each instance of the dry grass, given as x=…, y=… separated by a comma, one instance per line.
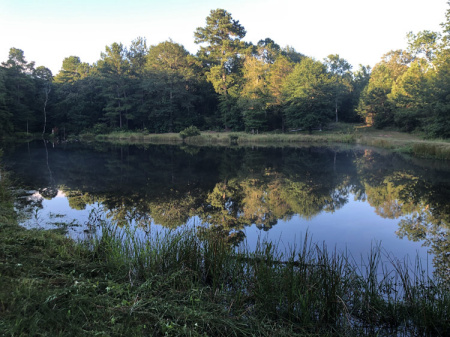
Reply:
x=412, y=144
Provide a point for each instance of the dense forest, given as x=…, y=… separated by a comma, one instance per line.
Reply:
x=228, y=85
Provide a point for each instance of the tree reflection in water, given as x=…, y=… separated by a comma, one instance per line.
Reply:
x=232, y=188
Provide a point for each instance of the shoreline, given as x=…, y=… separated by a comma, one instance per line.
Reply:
x=353, y=135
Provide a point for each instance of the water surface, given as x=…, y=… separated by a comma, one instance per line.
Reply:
x=349, y=198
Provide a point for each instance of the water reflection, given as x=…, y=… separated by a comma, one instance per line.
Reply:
x=234, y=188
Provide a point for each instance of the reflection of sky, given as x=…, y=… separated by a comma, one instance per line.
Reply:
x=57, y=210
x=355, y=227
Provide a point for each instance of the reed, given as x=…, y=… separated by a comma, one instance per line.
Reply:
x=308, y=287
x=192, y=282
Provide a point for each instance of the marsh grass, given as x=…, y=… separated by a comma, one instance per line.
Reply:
x=307, y=288
x=413, y=144
x=421, y=149
x=193, y=282
x=432, y=150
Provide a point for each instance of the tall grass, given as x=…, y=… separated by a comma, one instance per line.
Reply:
x=377, y=142
x=436, y=150
x=192, y=282
x=308, y=287
x=7, y=213
x=225, y=138
x=124, y=136
x=404, y=143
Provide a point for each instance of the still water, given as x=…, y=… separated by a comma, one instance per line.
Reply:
x=348, y=198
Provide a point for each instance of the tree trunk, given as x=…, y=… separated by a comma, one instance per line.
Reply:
x=336, y=105
x=47, y=92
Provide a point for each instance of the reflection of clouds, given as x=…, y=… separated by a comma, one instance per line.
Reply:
x=35, y=197
x=60, y=194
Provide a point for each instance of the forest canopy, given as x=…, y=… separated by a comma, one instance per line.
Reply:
x=229, y=84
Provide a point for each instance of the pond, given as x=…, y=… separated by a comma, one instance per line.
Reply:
x=350, y=198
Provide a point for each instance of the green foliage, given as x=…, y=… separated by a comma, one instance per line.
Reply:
x=137, y=54
x=437, y=121
x=230, y=113
x=20, y=89
x=375, y=104
x=5, y=116
x=222, y=36
x=72, y=70
x=253, y=100
x=170, y=86
x=424, y=45
x=191, y=131
x=308, y=92
x=7, y=211
x=340, y=71
x=406, y=89
x=100, y=128
x=229, y=84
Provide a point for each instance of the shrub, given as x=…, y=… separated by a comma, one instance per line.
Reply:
x=190, y=132
x=100, y=128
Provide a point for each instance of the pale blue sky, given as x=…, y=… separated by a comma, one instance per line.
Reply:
x=360, y=31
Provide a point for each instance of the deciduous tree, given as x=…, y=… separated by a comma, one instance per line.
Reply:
x=340, y=71
x=309, y=96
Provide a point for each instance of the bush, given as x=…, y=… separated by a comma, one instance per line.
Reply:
x=100, y=128
x=190, y=132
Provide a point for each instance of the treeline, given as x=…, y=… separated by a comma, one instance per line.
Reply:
x=228, y=84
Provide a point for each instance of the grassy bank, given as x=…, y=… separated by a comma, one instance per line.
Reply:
x=339, y=133
x=193, y=283
x=404, y=142
x=183, y=285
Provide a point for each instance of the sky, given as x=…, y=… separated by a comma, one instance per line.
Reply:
x=360, y=31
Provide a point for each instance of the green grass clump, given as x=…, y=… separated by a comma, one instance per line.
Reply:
x=431, y=150
x=383, y=143
x=193, y=282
